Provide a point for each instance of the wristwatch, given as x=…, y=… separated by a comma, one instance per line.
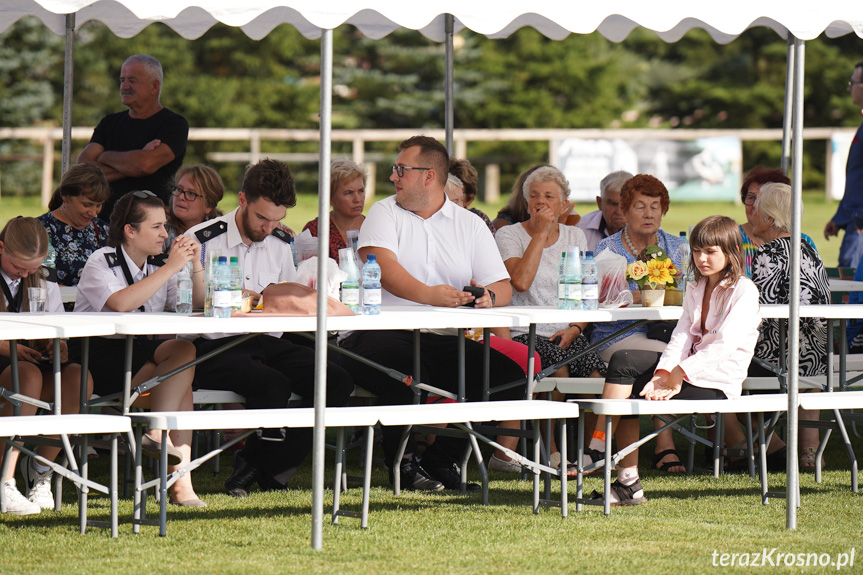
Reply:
x=491, y=295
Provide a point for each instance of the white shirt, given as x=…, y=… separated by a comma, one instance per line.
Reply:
x=451, y=247
x=263, y=263
x=512, y=241
x=718, y=359
x=99, y=281
x=53, y=300
x=590, y=225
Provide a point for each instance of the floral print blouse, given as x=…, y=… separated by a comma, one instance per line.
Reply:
x=73, y=246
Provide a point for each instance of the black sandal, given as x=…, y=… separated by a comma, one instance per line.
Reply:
x=624, y=494
x=668, y=464
x=595, y=455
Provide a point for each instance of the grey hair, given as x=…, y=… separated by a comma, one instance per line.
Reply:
x=453, y=181
x=547, y=174
x=153, y=66
x=613, y=181
x=774, y=201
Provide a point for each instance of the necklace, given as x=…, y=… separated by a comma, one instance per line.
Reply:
x=628, y=241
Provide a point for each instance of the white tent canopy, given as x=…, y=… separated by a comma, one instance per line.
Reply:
x=669, y=19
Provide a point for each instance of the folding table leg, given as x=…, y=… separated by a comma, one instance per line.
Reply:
x=337, y=486
x=139, y=498
x=83, y=489
x=579, y=459
x=564, y=510
x=480, y=463
x=850, y=450
x=536, y=452
x=762, y=458
x=163, y=485
x=367, y=476
x=606, y=475
x=113, y=485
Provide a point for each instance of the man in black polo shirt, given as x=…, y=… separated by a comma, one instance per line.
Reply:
x=142, y=147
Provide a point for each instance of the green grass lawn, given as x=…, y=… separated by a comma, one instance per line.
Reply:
x=686, y=519
x=680, y=216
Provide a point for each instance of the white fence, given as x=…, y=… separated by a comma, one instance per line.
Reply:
x=50, y=138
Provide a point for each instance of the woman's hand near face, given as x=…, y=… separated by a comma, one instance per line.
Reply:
x=185, y=250
x=544, y=220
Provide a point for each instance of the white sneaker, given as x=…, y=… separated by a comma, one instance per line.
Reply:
x=507, y=466
x=37, y=485
x=17, y=504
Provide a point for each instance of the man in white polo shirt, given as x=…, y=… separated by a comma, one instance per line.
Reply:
x=429, y=249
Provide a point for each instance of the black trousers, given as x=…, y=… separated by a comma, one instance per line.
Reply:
x=438, y=367
x=266, y=370
x=635, y=367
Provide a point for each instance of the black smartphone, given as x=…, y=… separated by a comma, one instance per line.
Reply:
x=476, y=292
x=555, y=340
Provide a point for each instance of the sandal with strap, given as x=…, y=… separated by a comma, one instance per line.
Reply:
x=807, y=458
x=668, y=464
x=595, y=455
x=624, y=493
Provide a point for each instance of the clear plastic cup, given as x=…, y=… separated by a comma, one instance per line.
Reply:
x=37, y=296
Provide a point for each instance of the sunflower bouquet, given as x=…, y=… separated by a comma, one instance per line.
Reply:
x=653, y=269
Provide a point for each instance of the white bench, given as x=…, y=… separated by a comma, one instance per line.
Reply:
x=618, y=407
x=362, y=416
x=75, y=424
x=834, y=402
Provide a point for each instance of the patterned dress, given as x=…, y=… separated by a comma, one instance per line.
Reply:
x=337, y=242
x=750, y=249
x=73, y=246
x=771, y=272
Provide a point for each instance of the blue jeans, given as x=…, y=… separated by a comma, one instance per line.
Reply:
x=851, y=249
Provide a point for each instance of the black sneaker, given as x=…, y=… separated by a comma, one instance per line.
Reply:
x=415, y=478
x=450, y=476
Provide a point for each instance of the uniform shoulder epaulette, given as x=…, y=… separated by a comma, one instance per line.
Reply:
x=158, y=260
x=112, y=259
x=282, y=235
x=212, y=231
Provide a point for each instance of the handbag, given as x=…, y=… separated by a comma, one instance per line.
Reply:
x=661, y=330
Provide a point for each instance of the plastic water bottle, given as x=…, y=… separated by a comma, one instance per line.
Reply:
x=684, y=262
x=573, y=279
x=561, y=283
x=222, y=289
x=351, y=284
x=50, y=261
x=589, y=282
x=236, y=284
x=184, y=289
x=212, y=261
x=371, y=286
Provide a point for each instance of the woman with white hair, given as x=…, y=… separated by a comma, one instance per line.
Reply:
x=531, y=253
x=347, y=197
x=771, y=272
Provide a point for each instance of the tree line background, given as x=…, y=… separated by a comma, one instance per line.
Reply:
x=225, y=79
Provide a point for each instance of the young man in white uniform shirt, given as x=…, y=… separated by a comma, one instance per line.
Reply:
x=428, y=249
x=265, y=369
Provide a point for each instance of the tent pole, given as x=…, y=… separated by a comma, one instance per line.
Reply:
x=323, y=250
x=448, y=88
x=68, y=69
x=792, y=496
x=786, y=118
